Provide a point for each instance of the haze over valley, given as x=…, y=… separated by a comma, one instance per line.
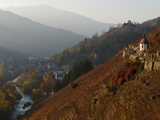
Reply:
x=62, y=19
x=79, y=60
x=24, y=35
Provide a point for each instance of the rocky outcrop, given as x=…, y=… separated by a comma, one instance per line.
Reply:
x=152, y=65
x=152, y=62
x=157, y=65
x=150, y=59
x=148, y=66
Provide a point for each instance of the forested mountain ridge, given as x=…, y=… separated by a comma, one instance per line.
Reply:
x=101, y=48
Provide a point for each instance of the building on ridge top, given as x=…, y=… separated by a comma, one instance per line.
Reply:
x=144, y=44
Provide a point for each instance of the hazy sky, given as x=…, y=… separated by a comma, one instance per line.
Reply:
x=112, y=11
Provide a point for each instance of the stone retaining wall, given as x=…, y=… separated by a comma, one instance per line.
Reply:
x=152, y=65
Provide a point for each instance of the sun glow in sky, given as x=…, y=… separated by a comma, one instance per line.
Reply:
x=113, y=11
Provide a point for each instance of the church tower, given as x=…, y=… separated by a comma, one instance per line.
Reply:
x=144, y=44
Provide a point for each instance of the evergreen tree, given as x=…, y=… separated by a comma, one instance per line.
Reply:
x=78, y=69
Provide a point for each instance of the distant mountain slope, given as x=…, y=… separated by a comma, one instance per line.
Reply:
x=94, y=97
x=101, y=48
x=21, y=34
x=7, y=54
x=152, y=22
x=62, y=19
x=14, y=62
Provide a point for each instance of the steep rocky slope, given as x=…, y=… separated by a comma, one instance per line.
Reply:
x=117, y=90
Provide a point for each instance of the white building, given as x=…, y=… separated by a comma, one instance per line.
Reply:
x=144, y=44
x=59, y=75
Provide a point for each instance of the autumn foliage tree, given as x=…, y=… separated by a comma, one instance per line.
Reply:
x=78, y=69
x=49, y=82
x=2, y=73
